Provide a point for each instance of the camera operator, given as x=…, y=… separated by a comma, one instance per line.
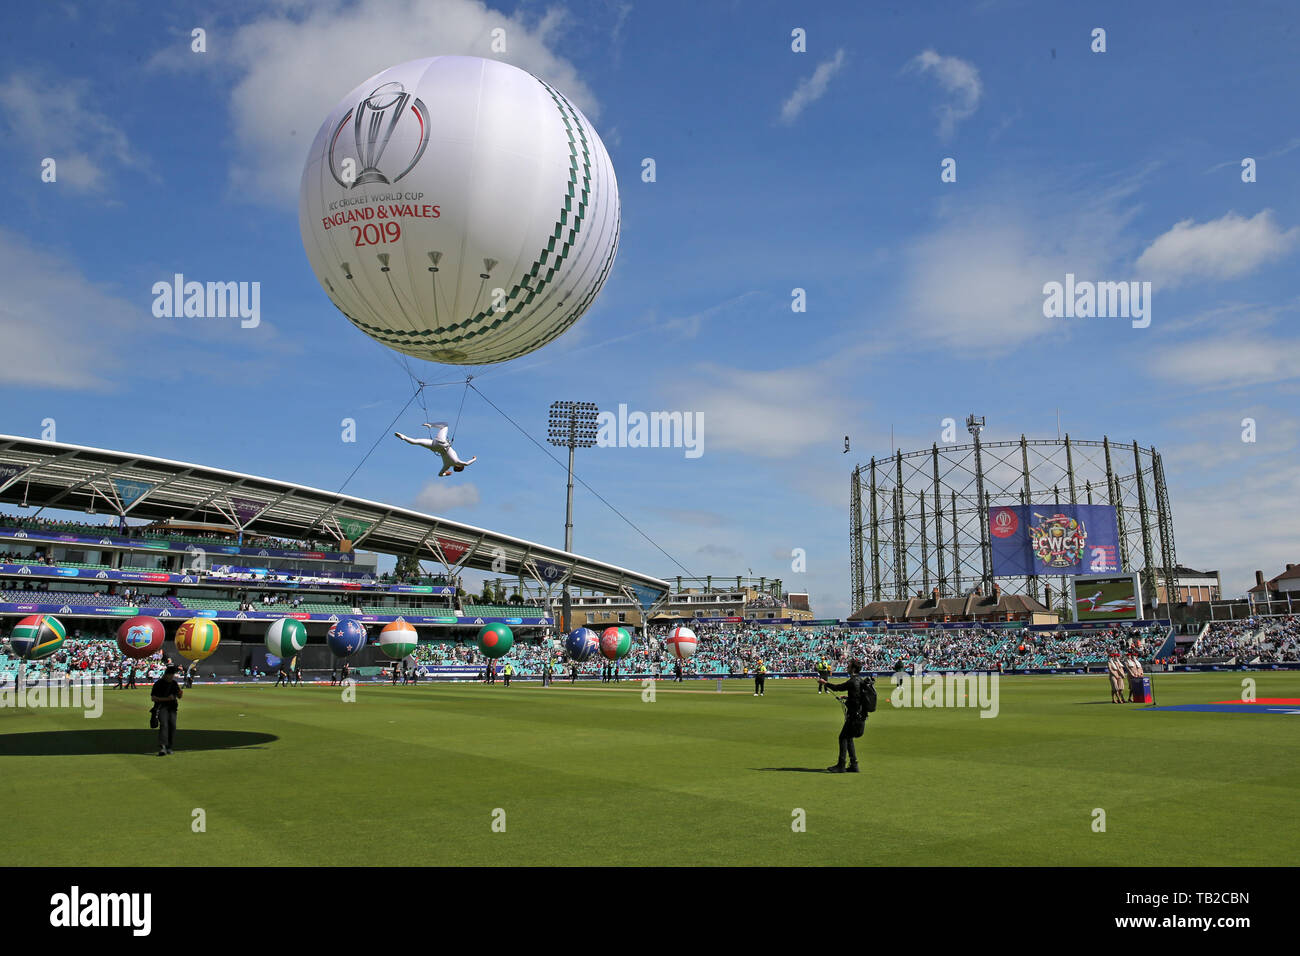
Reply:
x=166, y=695
x=856, y=707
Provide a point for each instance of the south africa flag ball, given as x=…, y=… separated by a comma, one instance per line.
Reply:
x=197, y=638
x=616, y=643
x=495, y=640
x=37, y=636
x=286, y=637
x=397, y=640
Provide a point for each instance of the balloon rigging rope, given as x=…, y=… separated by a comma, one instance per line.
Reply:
x=456, y=428
x=381, y=437
x=576, y=478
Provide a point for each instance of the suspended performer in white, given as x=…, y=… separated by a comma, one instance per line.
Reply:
x=440, y=446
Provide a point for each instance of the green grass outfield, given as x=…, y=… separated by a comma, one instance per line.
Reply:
x=593, y=774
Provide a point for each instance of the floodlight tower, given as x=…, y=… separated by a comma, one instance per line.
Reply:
x=571, y=425
x=975, y=426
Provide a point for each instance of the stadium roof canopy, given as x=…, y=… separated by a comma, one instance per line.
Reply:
x=44, y=474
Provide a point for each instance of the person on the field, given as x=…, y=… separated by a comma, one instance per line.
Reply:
x=440, y=446
x=508, y=673
x=760, y=678
x=677, y=672
x=1133, y=669
x=1116, y=676
x=166, y=694
x=855, y=716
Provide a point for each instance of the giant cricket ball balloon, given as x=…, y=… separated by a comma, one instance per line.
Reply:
x=398, y=639
x=140, y=637
x=346, y=637
x=615, y=643
x=495, y=640
x=197, y=638
x=286, y=637
x=37, y=636
x=459, y=210
x=682, y=643
x=581, y=644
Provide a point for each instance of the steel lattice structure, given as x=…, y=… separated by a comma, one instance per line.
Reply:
x=919, y=520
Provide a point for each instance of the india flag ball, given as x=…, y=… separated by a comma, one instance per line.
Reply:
x=616, y=643
x=286, y=637
x=140, y=637
x=197, y=638
x=398, y=639
x=37, y=636
x=495, y=640
x=682, y=642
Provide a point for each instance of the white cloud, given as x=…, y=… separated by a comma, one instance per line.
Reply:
x=1224, y=248
x=960, y=79
x=975, y=284
x=812, y=88
x=48, y=119
x=440, y=495
x=64, y=326
x=294, y=67
x=75, y=333
x=1240, y=524
x=773, y=414
x=1229, y=361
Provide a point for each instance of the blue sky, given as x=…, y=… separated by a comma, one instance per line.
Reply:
x=776, y=170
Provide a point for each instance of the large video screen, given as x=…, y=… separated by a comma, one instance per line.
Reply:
x=1116, y=597
x=1054, y=539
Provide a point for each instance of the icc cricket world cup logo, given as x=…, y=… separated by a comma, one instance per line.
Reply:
x=374, y=121
x=1058, y=541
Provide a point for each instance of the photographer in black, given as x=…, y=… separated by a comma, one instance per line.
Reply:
x=166, y=695
x=859, y=700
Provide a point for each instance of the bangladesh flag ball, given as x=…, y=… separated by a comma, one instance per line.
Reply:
x=37, y=636
x=495, y=640
x=616, y=643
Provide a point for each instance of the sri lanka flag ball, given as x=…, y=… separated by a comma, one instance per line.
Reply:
x=397, y=639
x=197, y=638
x=581, y=644
x=495, y=640
x=37, y=636
x=616, y=643
x=682, y=642
x=140, y=637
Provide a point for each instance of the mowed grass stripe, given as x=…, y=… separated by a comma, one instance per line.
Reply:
x=594, y=774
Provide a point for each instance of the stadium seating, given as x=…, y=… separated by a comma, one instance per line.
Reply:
x=503, y=610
